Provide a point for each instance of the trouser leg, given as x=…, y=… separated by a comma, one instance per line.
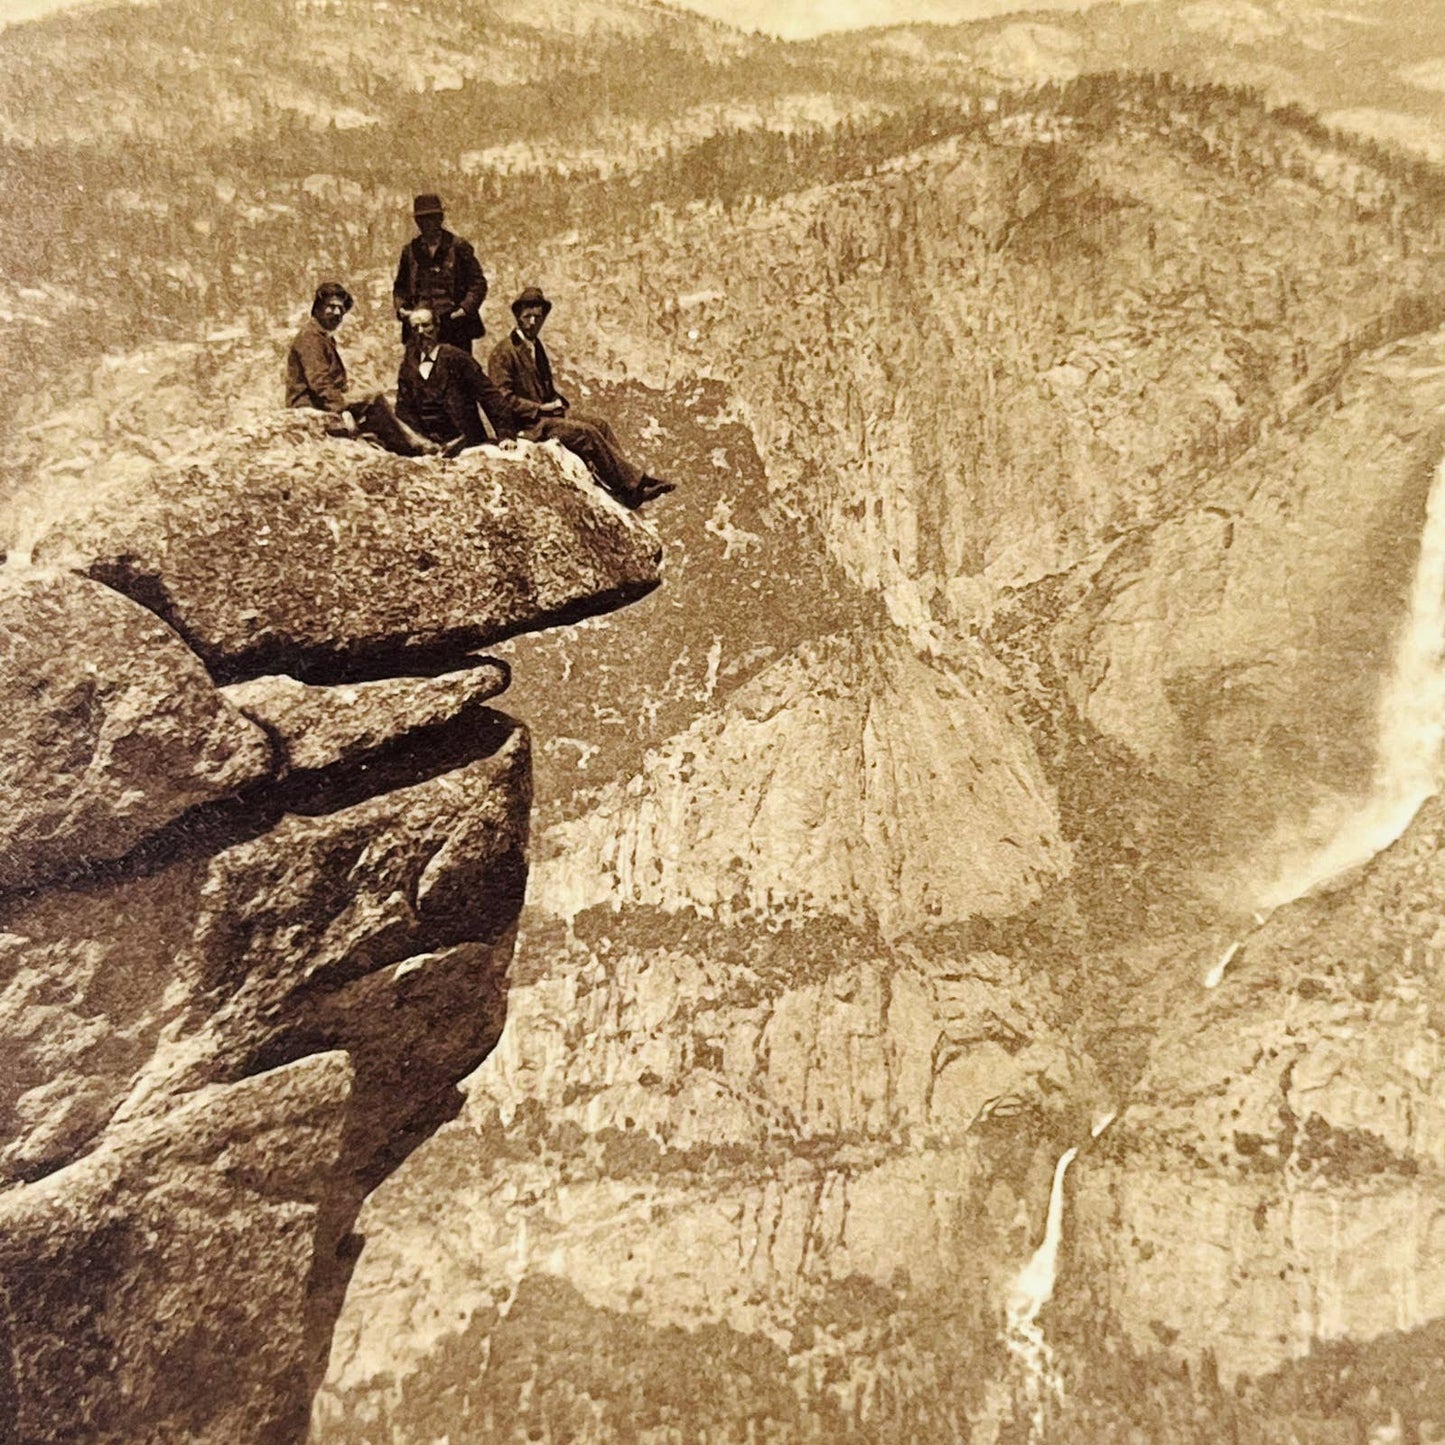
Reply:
x=376, y=419
x=596, y=443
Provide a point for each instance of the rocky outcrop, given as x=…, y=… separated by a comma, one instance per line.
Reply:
x=112, y=730
x=316, y=727
x=263, y=931
x=403, y=563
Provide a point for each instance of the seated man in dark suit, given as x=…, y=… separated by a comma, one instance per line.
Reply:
x=440, y=389
x=523, y=373
x=316, y=378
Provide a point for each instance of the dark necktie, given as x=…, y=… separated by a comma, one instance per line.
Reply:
x=544, y=370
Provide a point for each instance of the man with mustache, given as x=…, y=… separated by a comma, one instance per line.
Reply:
x=443, y=393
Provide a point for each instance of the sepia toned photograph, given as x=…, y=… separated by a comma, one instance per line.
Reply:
x=721, y=723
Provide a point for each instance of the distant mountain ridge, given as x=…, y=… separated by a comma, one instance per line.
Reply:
x=197, y=173
x=1372, y=67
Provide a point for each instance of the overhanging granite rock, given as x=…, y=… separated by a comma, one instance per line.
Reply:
x=259, y=933
x=316, y=727
x=158, y=979
x=279, y=551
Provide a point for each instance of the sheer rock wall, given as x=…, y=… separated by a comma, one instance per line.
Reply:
x=252, y=937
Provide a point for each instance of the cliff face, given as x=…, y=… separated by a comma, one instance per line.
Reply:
x=780, y=1056
x=791, y=1166
x=253, y=936
x=1237, y=651
x=1008, y=347
x=836, y=781
x=1037, y=591
x=1272, y=1200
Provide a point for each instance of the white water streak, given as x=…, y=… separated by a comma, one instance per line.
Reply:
x=1029, y=1293
x=1407, y=772
x=1411, y=728
x=1216, y=974
x=1034, y=1288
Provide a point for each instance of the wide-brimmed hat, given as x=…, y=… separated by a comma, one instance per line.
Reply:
x=427, y=205
x=532, y=296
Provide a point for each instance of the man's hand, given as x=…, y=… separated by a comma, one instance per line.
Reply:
x=349, y=422
x=552, y=408
x=457, y=315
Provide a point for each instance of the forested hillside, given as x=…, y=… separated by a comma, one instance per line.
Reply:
x=165, y=173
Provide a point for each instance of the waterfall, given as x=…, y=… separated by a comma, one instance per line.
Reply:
x=1411, y=733
x=1411, y=729
x=1215, y=974
x=1031, y=1290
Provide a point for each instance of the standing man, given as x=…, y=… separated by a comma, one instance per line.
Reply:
x=523, y=373
x=316, y=378
x=441, y=272
x=442, y=391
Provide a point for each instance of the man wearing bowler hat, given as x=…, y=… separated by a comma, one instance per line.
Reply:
x=522, y=370
x=440, y=272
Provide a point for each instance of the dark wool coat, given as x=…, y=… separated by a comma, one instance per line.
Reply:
x=315, y=373
x=444, y=405
x=525, y=382
x=524, y=377
x=452, y=278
